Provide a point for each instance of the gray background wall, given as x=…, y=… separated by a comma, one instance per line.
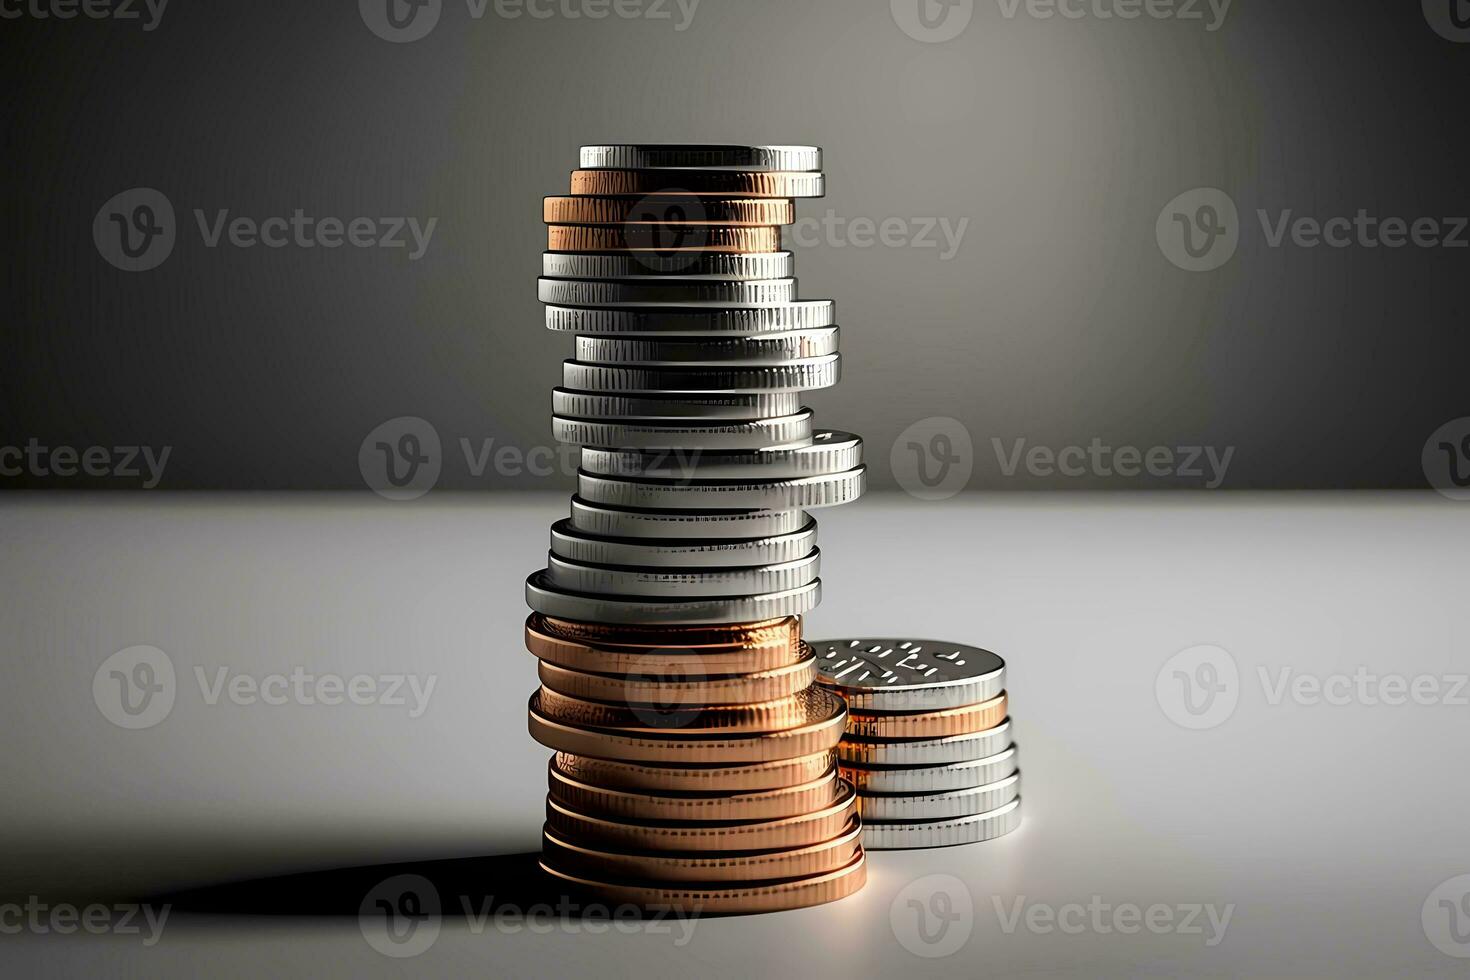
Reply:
x=1059, y=319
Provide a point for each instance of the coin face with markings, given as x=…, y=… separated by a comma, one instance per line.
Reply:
x=908, y=675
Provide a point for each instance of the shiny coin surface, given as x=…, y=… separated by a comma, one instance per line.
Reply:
x=642, y=266
x=927, y=751
x=770, y=804
x=908, y=675
x=570, y=543
x=699, y=778
x=675, y=582
x=940, y=806
x=721, y=156
x=654, y=407
x=549, y=600
x=719, y=183
x=802, y=830
x=793, y=711
x=807, y=314
x=661, y=238
x=665, y=688
x=828, y=490
x=820, y=734
x=770, y=348
x=785, y=430
x=704, y=866
x=932, y=779
x=828, y=452
x=717, y=899
x=740, y=522
x=802, y=375
x=650, y=209
x=929, y=724
x=672, y=292
x=666, y=656
x=903, y=834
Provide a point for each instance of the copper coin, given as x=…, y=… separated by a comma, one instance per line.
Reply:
x=929, y=724
x=703, y=867
x=615, y=238
x=766, y=716
x=668, y=210
x=820, y=734
x=715, y=899
x=687, y=654
x=675, y=687
x=767, y=804
x=695, y=778
x=722, y=183
x=802, y=830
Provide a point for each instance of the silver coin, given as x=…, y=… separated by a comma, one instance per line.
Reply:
x=932, y=779
x=940, y=806
x=654, y=265
x=773, y=348
x=576, y=545
x=925, y=751
x=906, y=675
x=622, y=522
x=806, y=493
x=671, y=292
x=890, y=835
x=632, y=610
x=803, y=375
x=828, y=452
x=703, y=156
x=745, y=406
x=806, y=314
x=681, y=583
x=788, y=430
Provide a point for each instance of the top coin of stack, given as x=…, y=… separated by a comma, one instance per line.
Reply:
x=928, y=741
x=695, y=758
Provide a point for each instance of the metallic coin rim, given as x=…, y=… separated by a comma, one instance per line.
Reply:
x=651, y=688
x=943, y=805
x=805, y=493
x=897, y=835
x=804, y=374
x=571, y=543
x=671, y=181
x=614, y=238
x=664, y=582
x=602, y=293
x=702, y=777
x=930, y=724
x=787, y=430
x=700, y=156
x=740, y=266
x=954, y=693
x=686, y=523
x=708, y=351
x=932, y=779
x=830, y=451
x=735, y=211
x=760, y=718
x=774, y=804
x=926, y=751
x=696, y=408
x=802, y=314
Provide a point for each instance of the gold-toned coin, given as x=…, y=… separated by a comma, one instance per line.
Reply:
x=786, y=631
x=619, y=833
x=665, y=211
x=766, y=716
x=722, y=183
x=703, y=867
x=769, y=804
x=668, y=688
x=716, y=899
x=820, y=734
x=688, y=655
x=695, y=778
x=929, y=724
x=626, y=238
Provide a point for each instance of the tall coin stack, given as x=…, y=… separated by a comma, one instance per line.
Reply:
x=695, y=761
x=928, y=741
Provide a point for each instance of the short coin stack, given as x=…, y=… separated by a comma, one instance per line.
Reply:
x=695, y=761
x=928, y=741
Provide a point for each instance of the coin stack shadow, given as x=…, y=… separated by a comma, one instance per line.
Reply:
x=928, y=743
x=695, y=759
